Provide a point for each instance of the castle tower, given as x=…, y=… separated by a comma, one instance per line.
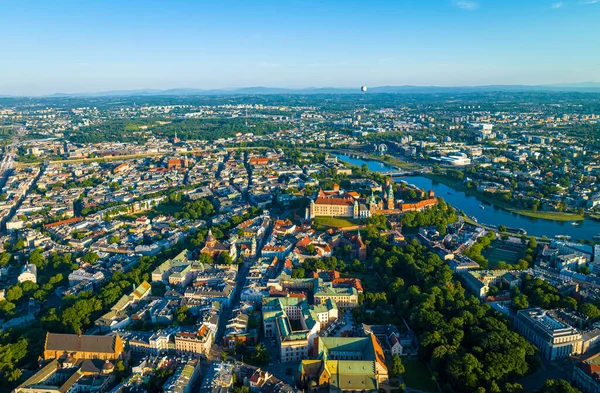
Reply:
x=310, y=210
x=390, y=197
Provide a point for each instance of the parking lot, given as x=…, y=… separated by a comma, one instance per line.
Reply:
x=343, y=326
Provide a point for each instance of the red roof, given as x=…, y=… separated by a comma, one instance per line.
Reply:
x=335, y=201
x=63, y=222
x=419, y=205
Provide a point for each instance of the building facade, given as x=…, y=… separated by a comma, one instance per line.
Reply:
x=554, y=339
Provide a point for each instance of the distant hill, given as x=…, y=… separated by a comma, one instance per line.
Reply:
x=592, y=87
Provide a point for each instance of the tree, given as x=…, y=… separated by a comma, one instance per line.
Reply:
x=261, y=355
x=114, y=239
x=397, y=366
x=5, y=258
x=14, y=293
x=7, y=308
x=298, y=273
x=502, y=228
x=558, y=386
x=36, y=258
x=183, y=316
x=120, y=369
x=585, y=270
x=520, y=302
x=590, y=310
x=90, y=257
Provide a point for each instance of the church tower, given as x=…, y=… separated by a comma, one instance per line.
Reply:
x=390, y=197
x=210, y=239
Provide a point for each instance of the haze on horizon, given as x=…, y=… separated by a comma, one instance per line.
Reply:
x=73, y=47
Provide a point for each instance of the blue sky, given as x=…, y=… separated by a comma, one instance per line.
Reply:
x=85, y=46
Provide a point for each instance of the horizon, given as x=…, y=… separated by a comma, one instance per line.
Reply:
x=71, y=47
x=586, y=86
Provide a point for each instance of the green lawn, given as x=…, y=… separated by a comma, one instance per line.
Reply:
x=336, y=222
x=417, y=376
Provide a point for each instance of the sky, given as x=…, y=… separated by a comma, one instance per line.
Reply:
x=90, y=46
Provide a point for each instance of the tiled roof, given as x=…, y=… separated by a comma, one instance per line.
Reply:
x=76, y=343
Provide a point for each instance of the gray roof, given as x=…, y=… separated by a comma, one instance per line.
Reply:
x=76, y=343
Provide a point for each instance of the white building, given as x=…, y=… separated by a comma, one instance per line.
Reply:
x=28, y=273
x=555, y=339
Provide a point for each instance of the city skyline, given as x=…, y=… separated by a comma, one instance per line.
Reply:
x=78, y=48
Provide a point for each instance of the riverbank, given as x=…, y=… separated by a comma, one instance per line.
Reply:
x=543, y=215
x=393, y=162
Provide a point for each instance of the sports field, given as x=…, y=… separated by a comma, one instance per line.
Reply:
x=502, y=252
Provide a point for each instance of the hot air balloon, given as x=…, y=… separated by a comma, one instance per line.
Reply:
x=363, y=89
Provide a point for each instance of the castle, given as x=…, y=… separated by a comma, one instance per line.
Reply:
x=336, y=203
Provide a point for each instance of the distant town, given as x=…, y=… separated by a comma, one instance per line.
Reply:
x=287, y=243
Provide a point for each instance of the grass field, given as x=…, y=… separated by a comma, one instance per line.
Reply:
x=417, y=376
x=336, y=222
x=498, y=252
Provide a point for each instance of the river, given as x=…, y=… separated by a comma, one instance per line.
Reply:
x=491, y=214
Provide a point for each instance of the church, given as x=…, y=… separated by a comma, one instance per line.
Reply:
x=214, y=248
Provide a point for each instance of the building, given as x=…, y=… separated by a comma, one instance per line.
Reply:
x=183, y=380
x=218, y=379
x=391, y=340
x=418, y=206
x=344, y=297
x=586, y=374
x=194, y=343
x=295, y=324
x=28, y=273
x=70, y=376
x=555, y=339
x=344, y=364
x=333, y=207
x=479, y=281
x=349, y=204
x=215, y=248
x=59, y=346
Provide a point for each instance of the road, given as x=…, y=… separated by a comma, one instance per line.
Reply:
x=235, y=300
x=20, y=201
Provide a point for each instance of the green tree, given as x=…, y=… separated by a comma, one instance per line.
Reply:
x=7, y=308
x=397, y=366
x=36, y=258
x=5, y=259
x=90, y=257
x=590, y=310
x=14, y=293
x=558, y=386
x=298, y=272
